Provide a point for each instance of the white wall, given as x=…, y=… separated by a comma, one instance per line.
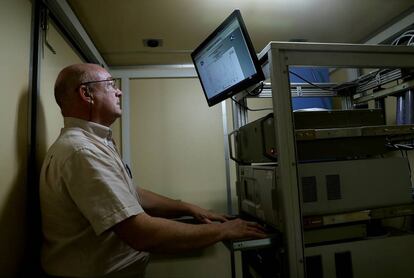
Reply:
x=177, y=149
x=15, y=22
x=15, y=29
x=177, y=144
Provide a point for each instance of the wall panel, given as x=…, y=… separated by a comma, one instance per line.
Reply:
x=15, y=24
x=177, y=149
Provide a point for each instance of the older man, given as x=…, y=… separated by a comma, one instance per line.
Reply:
x=95, y=222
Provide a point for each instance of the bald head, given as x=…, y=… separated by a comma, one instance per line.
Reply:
x=88, y=92
x=69, y=80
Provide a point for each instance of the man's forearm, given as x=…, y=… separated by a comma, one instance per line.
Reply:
x=145, y=233
x=159, y=235
x=161, y=206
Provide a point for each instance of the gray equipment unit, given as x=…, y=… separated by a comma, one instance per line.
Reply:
x=345, y=218
x=333, y=187
x=377, y=257
x=328, y=187
x=335, y=233
x=257, y=190
x=341, y=131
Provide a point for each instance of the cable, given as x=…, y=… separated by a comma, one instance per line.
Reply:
x=249, y=109
x=400, y=147
x=408, y=34
x=307, y=81
x=409, y=164
x=256, y=92
x=410, y=40
x=403, y=225
x=370, y=76
x=259, y=88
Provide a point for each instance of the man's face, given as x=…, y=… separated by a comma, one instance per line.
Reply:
x=106, y=99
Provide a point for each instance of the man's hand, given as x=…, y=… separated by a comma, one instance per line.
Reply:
x=205, y=216
x=239, y=229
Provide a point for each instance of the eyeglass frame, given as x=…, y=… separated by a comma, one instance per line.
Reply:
x=113, y=85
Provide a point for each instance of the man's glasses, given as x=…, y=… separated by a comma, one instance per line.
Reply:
x=111, y=83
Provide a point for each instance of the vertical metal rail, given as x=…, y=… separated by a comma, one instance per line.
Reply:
x=125, y=121
x=408, y=106
x=226, y=158
x=34, y=236
x=239, y=119
x=287, y=177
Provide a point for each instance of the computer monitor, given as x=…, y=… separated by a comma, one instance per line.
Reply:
x=226, y=62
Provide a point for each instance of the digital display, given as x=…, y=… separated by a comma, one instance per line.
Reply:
x=226, y=62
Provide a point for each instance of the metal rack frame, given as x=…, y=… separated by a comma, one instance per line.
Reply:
x=281, y=55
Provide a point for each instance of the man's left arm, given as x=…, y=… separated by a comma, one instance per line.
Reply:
x=161, y=206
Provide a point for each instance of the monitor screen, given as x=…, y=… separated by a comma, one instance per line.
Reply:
x=226, y=62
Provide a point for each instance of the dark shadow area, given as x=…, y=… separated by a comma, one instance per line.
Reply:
x=33, y=235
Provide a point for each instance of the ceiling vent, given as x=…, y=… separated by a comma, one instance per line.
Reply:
x=152, y=43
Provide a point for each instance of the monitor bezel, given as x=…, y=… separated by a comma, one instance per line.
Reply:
x=242, y=85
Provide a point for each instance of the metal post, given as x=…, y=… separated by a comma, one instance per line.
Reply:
x=287, y=177
x=400, y=109
x=408, y=107
x=226, y=158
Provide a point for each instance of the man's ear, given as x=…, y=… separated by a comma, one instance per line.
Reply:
x=86, y=94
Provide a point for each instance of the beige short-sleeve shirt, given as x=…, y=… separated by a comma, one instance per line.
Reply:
x=85, y=189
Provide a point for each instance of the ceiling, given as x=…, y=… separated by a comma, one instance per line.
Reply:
x=118, y=27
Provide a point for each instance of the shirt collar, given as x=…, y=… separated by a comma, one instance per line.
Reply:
x=99, y=130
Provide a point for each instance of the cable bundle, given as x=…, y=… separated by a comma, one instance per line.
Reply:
x=407, y=38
